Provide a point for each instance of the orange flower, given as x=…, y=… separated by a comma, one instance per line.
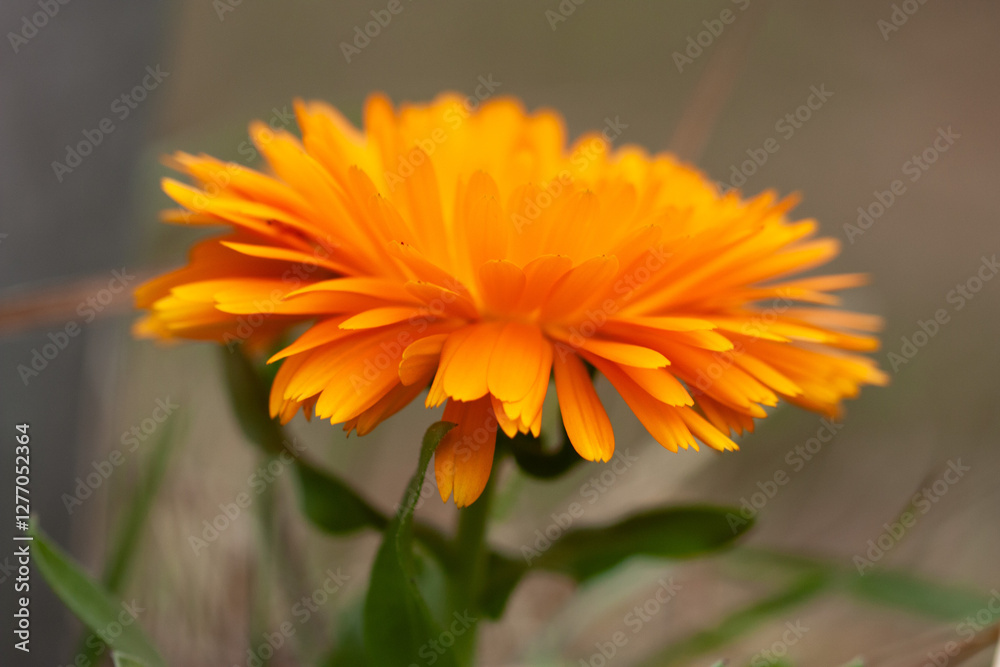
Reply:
x=470, y=251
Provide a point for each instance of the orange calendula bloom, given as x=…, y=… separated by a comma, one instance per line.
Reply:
x=472, y=252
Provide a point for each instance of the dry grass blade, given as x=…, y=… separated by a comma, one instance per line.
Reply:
x=27, y=307
x=714, y=87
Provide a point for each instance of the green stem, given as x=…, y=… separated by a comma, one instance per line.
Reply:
x=470, y=571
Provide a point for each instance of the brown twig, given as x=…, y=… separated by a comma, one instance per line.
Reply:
x=27, y=307
x=978, y=642
x=957, y=652
x=714, y=87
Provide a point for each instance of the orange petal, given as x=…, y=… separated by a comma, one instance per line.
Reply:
x=419, y=357
x=579, y=287
x=662, y=421
x=380, y=288
x=528, y=411
x=540, y=275
x=485, y=228
x=508, y=425
x=317, y=258
x=661, y=385
x=442, y=301
x=502, y=284
x=587, y=424
x=320, y=333
x=379, y=317
x=624, y=353
x=465, y=360
x=515, y=361
x=394, y=401
x=464, y=459
x=707, y=433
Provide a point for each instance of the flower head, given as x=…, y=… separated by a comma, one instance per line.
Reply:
x=472, y=252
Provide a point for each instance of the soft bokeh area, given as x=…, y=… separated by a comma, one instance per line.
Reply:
x=881, y=115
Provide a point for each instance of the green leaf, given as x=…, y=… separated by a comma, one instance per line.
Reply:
x=398, y=624
x=333, y=506
x=91, y=603
x=124, y=660
x=119, y=561
x=673, y=532
x=911, y=593
x=890, y=588
x=117, y=566
x=743, y=620
x=432, y=579
x=503, y=575
x=350, y=642
x=249, y=398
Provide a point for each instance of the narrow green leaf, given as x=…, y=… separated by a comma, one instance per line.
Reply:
x=117, y=566
x=916, y=595
x=110, y=619
x=890, y=588
x=673, y=532
x=119, y=561
x=333, y=506
x=124, y=660
x=398, y=625
x=742, y=621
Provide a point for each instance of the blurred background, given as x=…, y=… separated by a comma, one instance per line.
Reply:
x=855, y=96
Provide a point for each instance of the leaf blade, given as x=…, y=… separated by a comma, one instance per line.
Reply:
x=124, y=660
x=333, y=506
x=904, y=591
x=398, y=623
x=90, y=602
x=673, y=532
